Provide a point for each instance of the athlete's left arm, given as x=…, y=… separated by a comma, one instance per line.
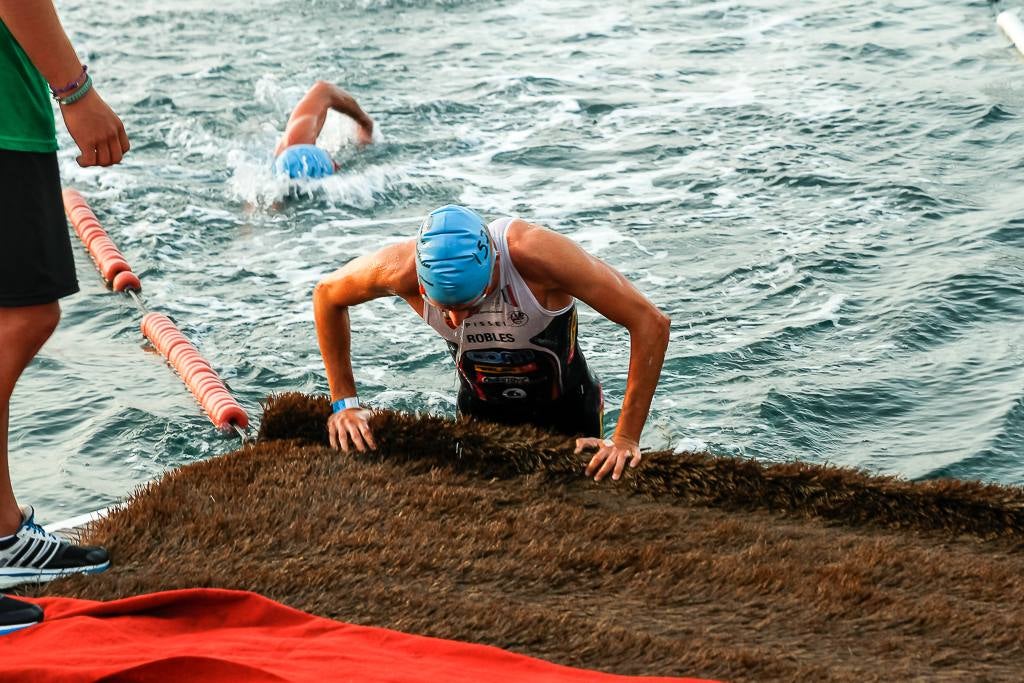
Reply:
x=562, y=267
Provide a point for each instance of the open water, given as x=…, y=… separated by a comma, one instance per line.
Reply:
x=825, y=197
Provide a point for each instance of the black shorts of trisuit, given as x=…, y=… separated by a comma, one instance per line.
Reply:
x=579, y=412
x=36, y=263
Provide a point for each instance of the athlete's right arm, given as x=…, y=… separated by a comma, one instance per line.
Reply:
x=364, y=278
x=342, y=102
x=93, y=126
x=308, y=117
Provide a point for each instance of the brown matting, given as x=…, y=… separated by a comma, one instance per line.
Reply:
x=691, y=565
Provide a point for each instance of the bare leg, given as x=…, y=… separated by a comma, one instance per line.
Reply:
x=23, y=331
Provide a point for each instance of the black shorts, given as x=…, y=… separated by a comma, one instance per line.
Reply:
x=36, y=263
x=579, y=412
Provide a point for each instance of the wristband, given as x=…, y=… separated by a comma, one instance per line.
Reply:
x=77, y=83
x=344, y=404
x=78, y=94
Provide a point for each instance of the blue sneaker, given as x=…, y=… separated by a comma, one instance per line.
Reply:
x=37, y=556
x=16, y=615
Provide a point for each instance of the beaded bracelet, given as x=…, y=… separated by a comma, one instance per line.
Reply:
x=57, y=92
x=78, y=94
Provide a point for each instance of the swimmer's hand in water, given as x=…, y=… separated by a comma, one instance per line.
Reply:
x=612, y=456
x=364, y=131
x=349, y=430
x=96, y=130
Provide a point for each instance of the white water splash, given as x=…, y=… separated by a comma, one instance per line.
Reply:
x=596, y=239
x=690, y=445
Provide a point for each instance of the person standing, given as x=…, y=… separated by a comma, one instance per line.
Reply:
x=37, y=267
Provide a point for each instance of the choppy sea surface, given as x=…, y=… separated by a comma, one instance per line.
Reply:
x=826, y=197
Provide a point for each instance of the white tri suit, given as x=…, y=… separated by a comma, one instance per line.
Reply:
x=519, y=362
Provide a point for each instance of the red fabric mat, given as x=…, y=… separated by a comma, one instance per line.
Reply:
x=218, y=635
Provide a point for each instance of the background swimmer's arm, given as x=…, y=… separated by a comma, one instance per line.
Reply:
x=93, y=126
x=307, y=119
x=553, y=261
x=364, y=278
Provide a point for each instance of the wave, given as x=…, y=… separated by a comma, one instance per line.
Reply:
x=999, y=461
x=955, y=307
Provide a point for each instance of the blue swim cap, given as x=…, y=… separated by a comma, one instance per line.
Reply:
x=304, y=161
x=454, y=259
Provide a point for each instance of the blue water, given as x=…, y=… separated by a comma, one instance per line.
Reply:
x=825, y=197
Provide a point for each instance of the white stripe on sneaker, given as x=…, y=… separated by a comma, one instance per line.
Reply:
x=26, y=560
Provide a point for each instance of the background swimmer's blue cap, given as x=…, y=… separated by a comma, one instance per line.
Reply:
x=303, y=161
x=454, y=258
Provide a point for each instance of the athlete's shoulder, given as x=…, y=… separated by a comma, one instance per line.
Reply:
x=536, y=250
x=524, y=237
x=396, y=265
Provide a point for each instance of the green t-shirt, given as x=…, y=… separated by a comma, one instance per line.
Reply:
x=26, y=117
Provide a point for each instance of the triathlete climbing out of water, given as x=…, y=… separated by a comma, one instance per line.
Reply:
x=297, y=155
x=504, y=298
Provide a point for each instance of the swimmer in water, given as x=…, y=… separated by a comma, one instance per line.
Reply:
x=297, y=155
x=503, y=296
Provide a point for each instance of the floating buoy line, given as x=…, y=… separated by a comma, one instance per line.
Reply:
x=195, y=371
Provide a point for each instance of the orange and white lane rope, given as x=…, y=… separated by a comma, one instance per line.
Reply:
x=195, y=371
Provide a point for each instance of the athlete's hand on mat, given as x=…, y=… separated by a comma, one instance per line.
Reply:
x=612, y=456
x=96, y=130
x=350, y=428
